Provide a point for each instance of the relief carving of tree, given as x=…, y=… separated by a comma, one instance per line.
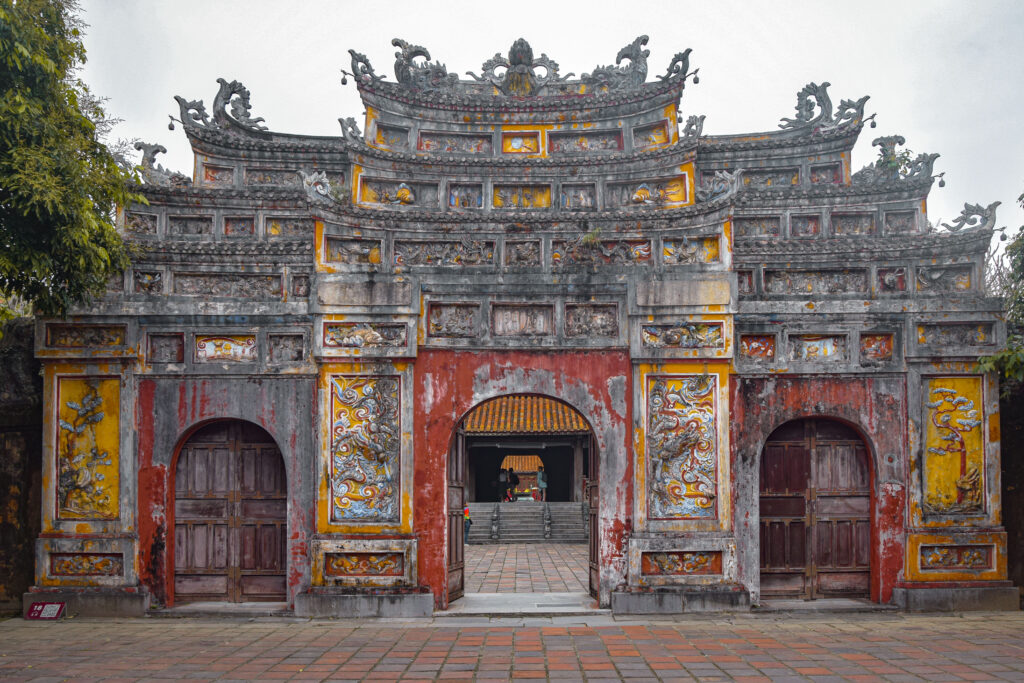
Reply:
x=953, y=416
x=80, y=489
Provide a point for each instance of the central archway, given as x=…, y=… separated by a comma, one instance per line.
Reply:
x=497, y=451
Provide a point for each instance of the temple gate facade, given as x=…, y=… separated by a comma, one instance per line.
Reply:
x=773, y=357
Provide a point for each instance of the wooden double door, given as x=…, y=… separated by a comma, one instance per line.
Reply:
x=815, y=503
x=230, y=516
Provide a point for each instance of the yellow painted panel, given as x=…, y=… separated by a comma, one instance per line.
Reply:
x=956, y=557
x=88, y=447
x=521, y=143
x=522, y=196
x=954, y=457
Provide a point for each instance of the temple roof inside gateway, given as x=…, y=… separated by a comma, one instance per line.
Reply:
x=524, y=415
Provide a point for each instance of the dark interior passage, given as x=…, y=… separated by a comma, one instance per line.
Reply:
x=564, y=461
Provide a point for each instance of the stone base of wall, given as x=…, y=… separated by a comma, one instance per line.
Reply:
x=91, y=602
x=677, y=600
x=952, y=599
x=328, y=604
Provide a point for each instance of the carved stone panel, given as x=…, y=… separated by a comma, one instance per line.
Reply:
x=147, y=281
x=465, y=196
x=831, y=174
x=357, y=335
x=392, y=137
x=365, y=450
x=245, y=286
x=817, y=347
x=353, y=251
x=521, y=320
x=522, y=253
x=853, y=224
x=745, y=281
x=596, y=252
x=682, y=446
x=815, y=281
x=63, y=336
x=286, y=348
x=140, y=223
x=189, y=225
x=397, y=193
x=218, y=176
x=766, y=178
x=946, y=557
x=891, y=280
x=578, y=197
x=88, y=447
x=167, y=348
x=584, y=142
x=345, y=564
x=805, y=226
x=239, y=226
x=654, y=192
x=900, y=222
x=289, y=226
x=453, y=321
x=876, y=348
x=650, y=136
x=954, y=455
x=591, y=320
x=955, y=334
x=521, y=197
x=300, y=286
x=520, y=142
x=86, y=564
x=953, y=279
x=687, y=250
x=433, y=253
x=758, y=347
x=453, y=143
x=226, y=348
x=683, y=335
x=282, y=177
x=765, y=226
x=681, y=563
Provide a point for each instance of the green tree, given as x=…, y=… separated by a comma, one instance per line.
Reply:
x=1007, y=277
x=60, y=184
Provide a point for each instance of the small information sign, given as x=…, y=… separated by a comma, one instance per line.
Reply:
x=45, y=610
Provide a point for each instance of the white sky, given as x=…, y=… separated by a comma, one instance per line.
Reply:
x=945, y=74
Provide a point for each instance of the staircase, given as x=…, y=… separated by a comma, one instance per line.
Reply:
x=523, y=522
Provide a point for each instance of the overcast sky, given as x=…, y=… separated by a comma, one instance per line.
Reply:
x=945, y=74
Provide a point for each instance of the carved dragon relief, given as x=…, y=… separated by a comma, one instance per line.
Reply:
x=889, y=167
x=155, y=174
x=427, y=76
x=626, y=77
x=814, y=111
x=230, y=94
x=722, y=184
x=974, y=217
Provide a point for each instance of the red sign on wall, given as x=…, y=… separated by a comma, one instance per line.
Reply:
x=45, y=610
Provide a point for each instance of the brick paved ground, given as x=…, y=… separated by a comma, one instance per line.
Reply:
x=891, y=647
x=527, y=568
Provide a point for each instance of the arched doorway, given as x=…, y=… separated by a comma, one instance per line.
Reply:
x=230, y=516
x=522, y=432
x=815, y=503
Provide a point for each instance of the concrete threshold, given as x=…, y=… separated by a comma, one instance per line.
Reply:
x=822, y=606
x=522, y=604
x=223, y=609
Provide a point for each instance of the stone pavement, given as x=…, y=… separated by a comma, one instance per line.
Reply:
x=527, y=568
x=868, y=647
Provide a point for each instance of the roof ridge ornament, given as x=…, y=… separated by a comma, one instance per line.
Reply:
x=615, y=77
x=362, y=72
x=974, y=217
x=427, y=76
x=680, y=64
x=520, y=77
x=193, y=112
x=814, y=111
x=893, y=166
x=155, y=174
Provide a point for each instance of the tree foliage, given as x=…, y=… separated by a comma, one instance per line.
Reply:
x=59, y=183
x=1010, y=361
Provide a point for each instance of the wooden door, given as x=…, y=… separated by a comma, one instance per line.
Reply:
x=815, y=501
x=230, y=516
x=456, y=506
x=594, y=553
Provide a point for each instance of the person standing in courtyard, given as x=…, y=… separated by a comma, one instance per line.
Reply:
x=467, y=522
x=542, y=482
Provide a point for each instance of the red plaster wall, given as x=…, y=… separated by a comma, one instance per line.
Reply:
x=875, y=407
x=449, y=383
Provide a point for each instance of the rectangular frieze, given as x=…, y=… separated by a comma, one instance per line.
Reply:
x=892, y=280
x=521, y=197
x=802, y=282
x=286, y=348
x=189, y=225
x=758, y=347
x=527, y=142
x=805, y=226
x=357, y=335
x=435, y=253
x=817, y=347
x=88, y=442
x=283, y=177
x=900, y=222
x=522, y=252
x=140, y=223
x=853, y=224
x=584, y=142
x=363, y=476
x=453, y=321
x=591, y=320
x=955, y=334
x=827, y=174
x=771, y=177
x=300, y=286
x=954, y=455
x=655, y=192
x=947, y=557
x=650, y=136
x=352, y=251
x=396, y=193
x=218, y=176
x=238, y=285
x=688, y=250
x=682, y=447
x=522, y=320
x=239, y=348
x=86, y=564
x=239, y=226
x=745, y=281
x=954, y=279
x=764, y=226
x=289, y=226
x=465, y=196
x=683, y=335
x=595, y=252
x=167, y=348
x=455, y=143
x=876, y=348
x=578, y=197
x=681, y=563
x=147, y=281
x=391, y=137
x=61, y=336
x=345, y=564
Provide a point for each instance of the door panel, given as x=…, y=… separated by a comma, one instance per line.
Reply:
x=456, y=519
x=594, y=552
x=230, y=511
x=815, y=503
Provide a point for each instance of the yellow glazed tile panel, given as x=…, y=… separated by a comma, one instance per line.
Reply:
x=954, y=456
x=88, y=447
